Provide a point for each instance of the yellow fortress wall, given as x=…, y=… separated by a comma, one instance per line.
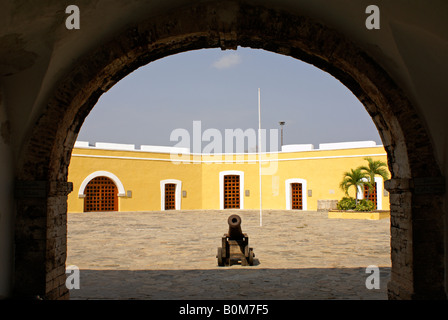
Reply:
x=140, y=175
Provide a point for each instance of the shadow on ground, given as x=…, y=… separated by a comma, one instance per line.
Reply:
x=230, y=283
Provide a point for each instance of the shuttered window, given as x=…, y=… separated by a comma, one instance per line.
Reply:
x=232, y=192
x=296, y=196
x=170, y=196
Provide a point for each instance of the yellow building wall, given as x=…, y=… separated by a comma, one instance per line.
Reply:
x=138, y=174
x=141, y=173
x=211, y=185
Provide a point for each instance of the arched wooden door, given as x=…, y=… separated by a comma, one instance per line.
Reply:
x=101, y=195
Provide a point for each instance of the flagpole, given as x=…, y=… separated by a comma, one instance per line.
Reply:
x=259, y=153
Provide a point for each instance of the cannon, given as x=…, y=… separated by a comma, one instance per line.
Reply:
x=235, y=245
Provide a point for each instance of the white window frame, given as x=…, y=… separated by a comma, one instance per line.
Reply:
x=96, y=174
x=379, y=192
x=177, y=194
x=304, y=193
x=221, y=187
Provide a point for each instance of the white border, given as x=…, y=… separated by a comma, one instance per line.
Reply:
x=177, y=202
x=90, y=177
x=379, y=192
x=304, y=193
x=221, y=187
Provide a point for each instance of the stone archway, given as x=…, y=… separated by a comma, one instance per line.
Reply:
x=417, y=247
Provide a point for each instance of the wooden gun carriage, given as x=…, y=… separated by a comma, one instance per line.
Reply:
x=235, y=245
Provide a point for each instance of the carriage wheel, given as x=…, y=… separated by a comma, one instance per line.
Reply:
x=219, y=256
x=250, y=259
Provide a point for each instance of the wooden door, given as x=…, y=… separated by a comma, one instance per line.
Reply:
x=101, y=195
x=232, y=192
x=170, y=196
x=373, y=194
x=296, y=196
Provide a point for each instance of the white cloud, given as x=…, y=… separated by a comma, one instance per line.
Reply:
x=227, y=61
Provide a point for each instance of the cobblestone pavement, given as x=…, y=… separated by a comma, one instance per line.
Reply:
x=172, y=255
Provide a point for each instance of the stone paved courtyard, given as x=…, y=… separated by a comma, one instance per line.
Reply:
x=172, y=255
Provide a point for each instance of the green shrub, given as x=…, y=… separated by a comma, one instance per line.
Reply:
x=365, y=205
x=347, y=203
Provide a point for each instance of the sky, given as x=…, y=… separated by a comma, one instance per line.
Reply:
x=220, y=89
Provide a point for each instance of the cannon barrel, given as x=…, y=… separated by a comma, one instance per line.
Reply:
x=235, y=245
x=234, y=222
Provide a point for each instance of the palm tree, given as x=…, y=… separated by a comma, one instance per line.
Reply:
x=374, y=168
x=354, y=178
